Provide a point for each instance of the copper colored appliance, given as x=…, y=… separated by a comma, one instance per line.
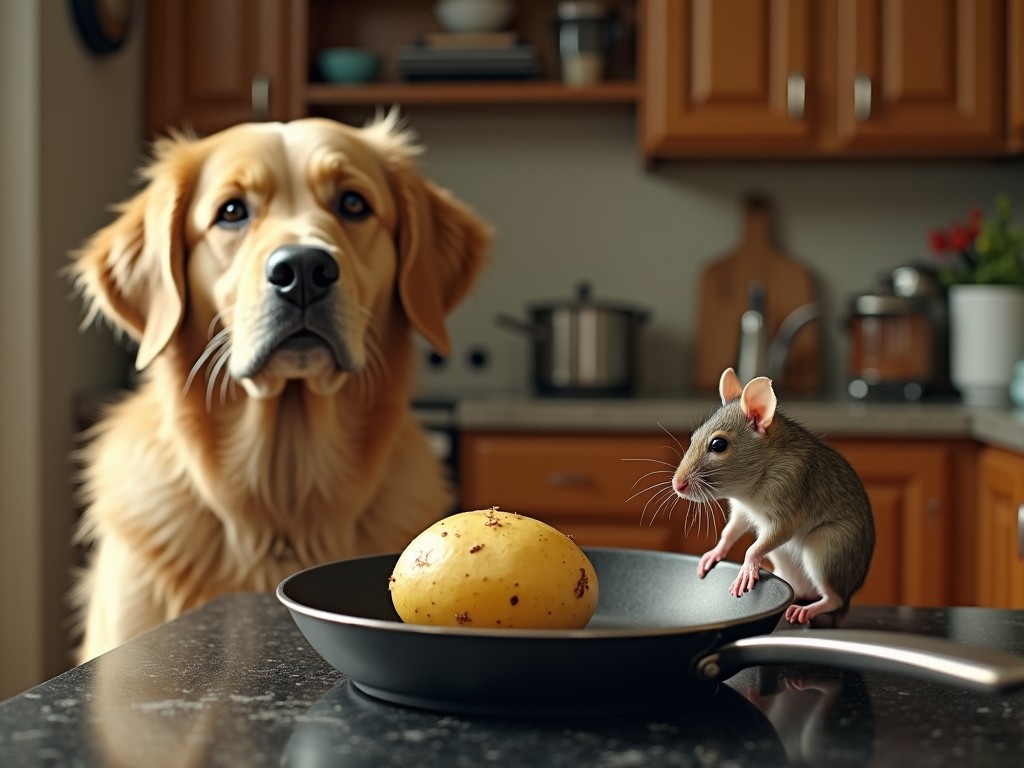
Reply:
x=898, y=338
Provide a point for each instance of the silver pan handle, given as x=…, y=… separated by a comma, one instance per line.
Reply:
x=921, y=656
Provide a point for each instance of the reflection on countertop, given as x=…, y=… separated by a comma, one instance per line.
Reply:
x=235, y=683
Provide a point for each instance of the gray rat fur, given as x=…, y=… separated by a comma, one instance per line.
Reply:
x=803, y=501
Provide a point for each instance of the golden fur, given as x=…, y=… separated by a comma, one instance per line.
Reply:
x=238, y=461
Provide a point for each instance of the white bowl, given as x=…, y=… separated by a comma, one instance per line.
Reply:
x=474, y=15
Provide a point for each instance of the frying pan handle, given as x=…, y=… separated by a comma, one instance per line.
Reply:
x=921, y=656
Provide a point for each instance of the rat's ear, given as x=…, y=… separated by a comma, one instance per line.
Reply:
x=758, y=402
x=729, y=387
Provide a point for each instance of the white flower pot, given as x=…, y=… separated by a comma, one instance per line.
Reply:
x=986, y=338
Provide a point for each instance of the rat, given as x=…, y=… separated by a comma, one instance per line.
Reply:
x=803, y=501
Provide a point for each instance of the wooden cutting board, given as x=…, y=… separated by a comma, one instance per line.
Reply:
x=724, y=297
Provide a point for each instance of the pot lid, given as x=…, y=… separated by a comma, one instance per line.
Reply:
x=585, y=300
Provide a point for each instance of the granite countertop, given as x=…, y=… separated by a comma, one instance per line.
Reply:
x=832, y=418
x=235, y=683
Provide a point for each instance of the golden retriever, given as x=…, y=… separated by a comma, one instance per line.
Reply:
x=273, y=276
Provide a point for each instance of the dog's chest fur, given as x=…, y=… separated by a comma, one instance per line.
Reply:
x=250, y=498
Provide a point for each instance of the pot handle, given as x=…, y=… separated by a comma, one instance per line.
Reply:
x=535, y=332
x=920, y=656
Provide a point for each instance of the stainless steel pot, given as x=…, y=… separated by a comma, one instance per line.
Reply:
x=583, y=347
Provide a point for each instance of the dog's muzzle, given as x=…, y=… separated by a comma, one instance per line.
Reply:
x=299, y=325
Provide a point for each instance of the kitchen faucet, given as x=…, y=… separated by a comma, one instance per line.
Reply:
x=757, y=356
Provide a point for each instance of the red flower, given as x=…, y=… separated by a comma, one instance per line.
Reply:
x=959, y=238
x=937, y=241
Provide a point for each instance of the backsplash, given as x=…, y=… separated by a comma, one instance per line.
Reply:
x=570, y=200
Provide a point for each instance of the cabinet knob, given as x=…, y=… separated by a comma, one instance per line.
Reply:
x=1020, y=532
x=861, y=97
x=260, y=96
x=796, y=93
x=569, y=479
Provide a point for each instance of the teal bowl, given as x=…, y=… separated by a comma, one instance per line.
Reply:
x=348, y=65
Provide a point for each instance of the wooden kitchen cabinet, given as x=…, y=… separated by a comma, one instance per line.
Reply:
x=214, y=63
x=1015, y=74
x=591, y=486
x=914, y=491
x=1000, y=546
x=838, y=77
x=728, y=75
x=584, y=485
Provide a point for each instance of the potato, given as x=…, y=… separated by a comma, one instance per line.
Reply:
x=488, y=569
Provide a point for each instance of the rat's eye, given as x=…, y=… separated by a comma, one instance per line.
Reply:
x=234, y=213
x=353, y=206
x=718, y=445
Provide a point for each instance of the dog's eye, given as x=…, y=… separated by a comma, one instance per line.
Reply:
x=352, y=205
x=233, y=213
x=718, y=445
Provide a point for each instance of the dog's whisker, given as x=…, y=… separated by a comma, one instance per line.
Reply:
x=223, y=356
x=216, y=319
x=214, y=345
x=226, y=384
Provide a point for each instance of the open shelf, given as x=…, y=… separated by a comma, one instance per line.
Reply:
x=490, y=92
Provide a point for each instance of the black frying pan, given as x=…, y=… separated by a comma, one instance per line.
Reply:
x=660, y=635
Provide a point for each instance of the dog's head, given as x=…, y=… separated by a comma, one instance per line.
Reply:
x=276, y=252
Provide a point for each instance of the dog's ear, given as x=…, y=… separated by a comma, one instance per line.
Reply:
x=442, y=246
x=133, y=270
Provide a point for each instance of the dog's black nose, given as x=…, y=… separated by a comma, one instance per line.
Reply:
x=301, y=274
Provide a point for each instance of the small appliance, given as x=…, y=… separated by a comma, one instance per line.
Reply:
x=899, y=338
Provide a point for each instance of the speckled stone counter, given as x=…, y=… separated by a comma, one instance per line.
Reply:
x=838, y=418
x=235, y=684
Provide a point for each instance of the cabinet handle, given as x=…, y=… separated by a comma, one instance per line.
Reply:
x=862, y=98
x=1020, y=532
x=260, y=95
x=569, y=479
x=796, y=93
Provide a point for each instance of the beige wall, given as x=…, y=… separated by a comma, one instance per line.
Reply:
x=570, y=199
x=70, y=128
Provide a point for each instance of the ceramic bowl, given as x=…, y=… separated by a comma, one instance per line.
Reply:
x=474, y=15
x=348, y=65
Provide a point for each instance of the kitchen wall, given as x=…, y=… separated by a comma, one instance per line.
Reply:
x=70, y=128
x=570, y=199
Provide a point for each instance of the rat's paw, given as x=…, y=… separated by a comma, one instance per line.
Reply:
x=798, y=614
x=745, y=581
x=708, y=561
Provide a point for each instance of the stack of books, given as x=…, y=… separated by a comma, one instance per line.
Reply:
x=468, y=56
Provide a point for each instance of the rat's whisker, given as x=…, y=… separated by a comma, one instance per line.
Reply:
x=652, y=472
x=681, y=450
x=656, y=461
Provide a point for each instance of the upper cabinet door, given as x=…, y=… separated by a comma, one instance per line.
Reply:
x=719, y=74
x=1015, y=70
x=214, y=63
x=920, y=76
